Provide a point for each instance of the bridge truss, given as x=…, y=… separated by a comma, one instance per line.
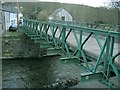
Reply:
x=45, y=34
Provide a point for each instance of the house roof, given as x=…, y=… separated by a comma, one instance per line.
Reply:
x=9, y=7
x=56, y=12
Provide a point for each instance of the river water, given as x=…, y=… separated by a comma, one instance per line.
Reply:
x=36, y=72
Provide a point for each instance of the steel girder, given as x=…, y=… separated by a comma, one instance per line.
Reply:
x=46, y=34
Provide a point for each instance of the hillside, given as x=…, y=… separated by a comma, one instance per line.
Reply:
x=80, y=13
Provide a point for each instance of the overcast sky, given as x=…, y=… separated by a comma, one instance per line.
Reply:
x=94, y=3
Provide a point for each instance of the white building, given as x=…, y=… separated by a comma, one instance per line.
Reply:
x=9, y=15
x=60, y=14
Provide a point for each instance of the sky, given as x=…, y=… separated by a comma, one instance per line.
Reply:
x=93, y=3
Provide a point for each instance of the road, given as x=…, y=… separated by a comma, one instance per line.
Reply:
x=91, y=45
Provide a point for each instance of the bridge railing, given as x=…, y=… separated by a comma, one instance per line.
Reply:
x=64, y=36
x=107, y=27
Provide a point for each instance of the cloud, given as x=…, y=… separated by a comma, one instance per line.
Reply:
x=94, y=3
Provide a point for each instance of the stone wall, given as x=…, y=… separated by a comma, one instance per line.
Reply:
x=17, y=45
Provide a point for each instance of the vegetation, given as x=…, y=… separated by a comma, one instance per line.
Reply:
x=80, y=13
x=114, y=4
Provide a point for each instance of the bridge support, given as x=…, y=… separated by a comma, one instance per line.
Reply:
x=54, y=51
x=70, y=60
x=91, y=76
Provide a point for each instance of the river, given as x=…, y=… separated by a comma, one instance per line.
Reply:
x=36, y=72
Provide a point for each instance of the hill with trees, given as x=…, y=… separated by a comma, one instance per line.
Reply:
x=80, y=13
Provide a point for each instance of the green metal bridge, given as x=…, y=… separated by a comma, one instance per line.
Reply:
x=92, y=49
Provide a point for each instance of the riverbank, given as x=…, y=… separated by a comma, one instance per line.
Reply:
x=17, y=45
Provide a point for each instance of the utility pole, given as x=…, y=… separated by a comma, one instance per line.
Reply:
x=17, y=13
x=0, y=17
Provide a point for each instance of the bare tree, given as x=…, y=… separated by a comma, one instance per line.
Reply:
x=113, y=4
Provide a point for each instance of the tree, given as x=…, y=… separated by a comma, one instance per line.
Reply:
x=113, y=4
x=43, y=15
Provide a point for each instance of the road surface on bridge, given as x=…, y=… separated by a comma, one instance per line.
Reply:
x=90, y=46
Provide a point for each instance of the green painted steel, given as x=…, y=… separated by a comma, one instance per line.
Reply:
x=91, y=76
x=45, y=34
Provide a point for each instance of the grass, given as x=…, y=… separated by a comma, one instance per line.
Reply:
x=11, y=34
